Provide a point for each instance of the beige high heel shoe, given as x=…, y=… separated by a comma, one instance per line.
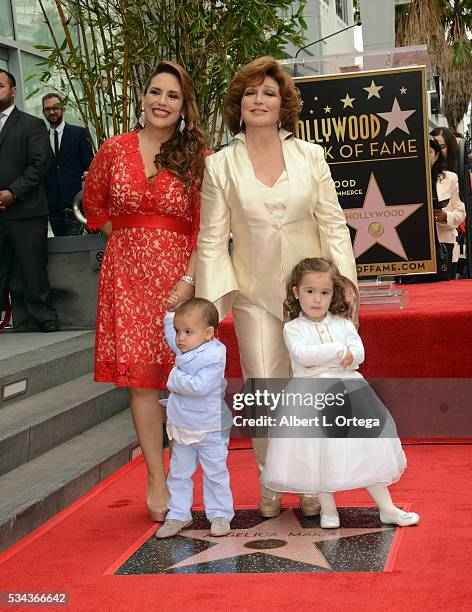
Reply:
x=310, y=505
x=158, y=515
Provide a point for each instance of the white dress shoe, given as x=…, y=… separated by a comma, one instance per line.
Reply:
x=329, y=521
x=402, y=519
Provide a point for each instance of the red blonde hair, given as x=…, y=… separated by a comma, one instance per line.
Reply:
x=255, y=73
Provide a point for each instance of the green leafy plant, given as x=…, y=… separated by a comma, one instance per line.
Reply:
x=444, y=26
x=107, y=48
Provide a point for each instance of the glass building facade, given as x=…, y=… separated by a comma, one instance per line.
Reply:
x=22, y=28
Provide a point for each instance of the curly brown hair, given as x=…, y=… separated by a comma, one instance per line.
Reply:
x=339, y=304
x=255, y=73
x=184, y=153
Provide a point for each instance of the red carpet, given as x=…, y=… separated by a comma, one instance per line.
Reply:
x=73, y=550
x=431, y=337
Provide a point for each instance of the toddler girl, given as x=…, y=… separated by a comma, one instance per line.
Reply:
x=323, y=343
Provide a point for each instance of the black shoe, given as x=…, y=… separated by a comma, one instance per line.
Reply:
x=49, y=326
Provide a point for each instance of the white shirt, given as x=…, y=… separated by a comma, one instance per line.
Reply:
x=59, y=130
x=5, y=114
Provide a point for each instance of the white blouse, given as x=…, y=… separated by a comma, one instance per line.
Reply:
x=275, y=198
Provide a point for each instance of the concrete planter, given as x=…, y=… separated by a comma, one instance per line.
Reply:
x=73, y=268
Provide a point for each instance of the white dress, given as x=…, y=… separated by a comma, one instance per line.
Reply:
x=324, y=464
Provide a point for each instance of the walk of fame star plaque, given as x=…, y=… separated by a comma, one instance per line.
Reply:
x=373, y=127
x=288, y=543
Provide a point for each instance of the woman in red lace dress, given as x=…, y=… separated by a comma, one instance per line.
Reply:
x=142, y=191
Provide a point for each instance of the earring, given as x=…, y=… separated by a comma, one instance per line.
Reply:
x=241, y=122
x=182, y=124
x=142, y=118
x=280, y=124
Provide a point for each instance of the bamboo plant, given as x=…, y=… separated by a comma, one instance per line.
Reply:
x=105, y=50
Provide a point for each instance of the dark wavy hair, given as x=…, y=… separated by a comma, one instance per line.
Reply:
x=255, y=73
x=438, y=166
x=339, y=304
x=184, y=153
x=451, y=159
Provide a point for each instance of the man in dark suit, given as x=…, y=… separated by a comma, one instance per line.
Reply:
x=72, y=157
x=25, y=156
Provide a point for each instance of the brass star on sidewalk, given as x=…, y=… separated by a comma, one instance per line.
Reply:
x=347, y=101
x=373, y=90
x=281, y=537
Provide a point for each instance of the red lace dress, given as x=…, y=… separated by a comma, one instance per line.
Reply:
x=140, y=265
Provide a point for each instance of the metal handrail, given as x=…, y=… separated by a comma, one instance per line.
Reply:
x=77, y=208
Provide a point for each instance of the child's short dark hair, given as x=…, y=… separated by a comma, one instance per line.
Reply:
x=207, y=309
x=339, y=305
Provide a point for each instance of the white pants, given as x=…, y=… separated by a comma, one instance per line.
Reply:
x=211, y=453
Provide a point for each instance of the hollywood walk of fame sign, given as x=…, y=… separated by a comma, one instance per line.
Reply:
x=287, y=543
x=373, y=128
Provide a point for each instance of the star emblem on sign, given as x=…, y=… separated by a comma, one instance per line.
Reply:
x=396, y=118
x=281, y=537
x=373, y=90
x=376, y=222
x=347, y=101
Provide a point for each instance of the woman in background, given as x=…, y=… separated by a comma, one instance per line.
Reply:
x=450, y=211
x=448, y=147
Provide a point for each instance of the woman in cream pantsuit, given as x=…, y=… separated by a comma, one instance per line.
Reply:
x=275, y=194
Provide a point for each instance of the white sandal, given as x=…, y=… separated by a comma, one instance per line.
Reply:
x=329, y=521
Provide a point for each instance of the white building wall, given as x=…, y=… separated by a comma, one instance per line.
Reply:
x=331, y=22
x=378, y=24
x=322, y=20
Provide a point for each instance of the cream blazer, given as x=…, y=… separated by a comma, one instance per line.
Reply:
x=448, y=187
x=265, y=250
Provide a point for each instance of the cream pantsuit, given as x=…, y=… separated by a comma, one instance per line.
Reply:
x=268, y=242
x=263, y=354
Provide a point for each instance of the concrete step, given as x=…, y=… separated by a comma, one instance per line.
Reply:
x=34, y=425
x=34, y=371
x=35, y=491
